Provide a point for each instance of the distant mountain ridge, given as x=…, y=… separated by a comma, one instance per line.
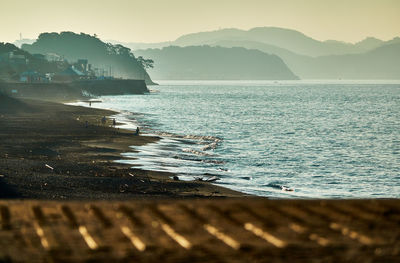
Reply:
x=306, y=57
x=215, y=63
x=289, y=39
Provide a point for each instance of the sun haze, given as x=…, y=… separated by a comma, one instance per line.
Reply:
x=159, y=20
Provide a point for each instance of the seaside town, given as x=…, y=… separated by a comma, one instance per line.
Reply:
x=13, y=63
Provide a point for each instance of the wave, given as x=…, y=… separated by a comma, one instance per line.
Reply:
x=200, y=153
x=211, y=146
x=278, y=185
x=189, y=136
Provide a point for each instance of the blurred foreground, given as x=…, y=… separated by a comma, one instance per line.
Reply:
x=230, y=230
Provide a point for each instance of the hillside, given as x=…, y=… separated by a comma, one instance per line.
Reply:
x=349, y=66
x=215, y=63
x=73, y=46
x=380, y=63
x=299, y=64
x=11, y=71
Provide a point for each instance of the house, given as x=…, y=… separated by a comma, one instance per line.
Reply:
x=68, y=75
x=54, y=57
x=4, y=58
x=82, y=65
x=33, y=77
x=17, y=59
x=39, y=56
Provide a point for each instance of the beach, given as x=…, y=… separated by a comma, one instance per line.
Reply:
x=60, y=152
x=64, y=199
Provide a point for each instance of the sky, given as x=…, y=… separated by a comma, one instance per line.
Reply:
x=165, y=20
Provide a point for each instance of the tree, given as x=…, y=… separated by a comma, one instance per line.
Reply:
x=146, y=63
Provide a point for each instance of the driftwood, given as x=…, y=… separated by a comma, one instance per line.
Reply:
x=48, y=166
x=210, y=179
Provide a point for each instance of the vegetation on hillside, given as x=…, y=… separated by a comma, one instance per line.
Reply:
x=115, y=58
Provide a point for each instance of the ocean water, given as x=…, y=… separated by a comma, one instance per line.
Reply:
x=293, y=139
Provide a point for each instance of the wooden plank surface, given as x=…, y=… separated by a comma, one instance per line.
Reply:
x=227, y=230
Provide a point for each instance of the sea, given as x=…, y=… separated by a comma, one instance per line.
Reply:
x=278, y=139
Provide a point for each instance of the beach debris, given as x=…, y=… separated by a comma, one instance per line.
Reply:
x=176, y=178
x=209, y=179
x=48, y=166
x=287, y=189
x=123, y=188
x=132, y=175
x=246, y=178
x=213, y=193
x=1, y=175
x=212, y=179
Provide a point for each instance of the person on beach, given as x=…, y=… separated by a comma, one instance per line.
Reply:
x=114, y=123
x=137, y=131
x=103, y=120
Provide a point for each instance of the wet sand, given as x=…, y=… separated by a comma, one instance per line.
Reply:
x=60, y=152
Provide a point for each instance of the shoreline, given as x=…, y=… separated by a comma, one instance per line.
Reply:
x=123, y=121
x=49, y=153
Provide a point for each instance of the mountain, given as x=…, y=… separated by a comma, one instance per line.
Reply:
x=299, y=64
x=308, y=58
x=73, y=46
x=215, y=63
x=283, y=38
x=305, y=57
x=380, y=63
x=369, y=43
x=289, y=39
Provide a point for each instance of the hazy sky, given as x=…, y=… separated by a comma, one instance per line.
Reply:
x=163, y=20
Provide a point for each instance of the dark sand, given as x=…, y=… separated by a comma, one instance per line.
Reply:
x=34, y=134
